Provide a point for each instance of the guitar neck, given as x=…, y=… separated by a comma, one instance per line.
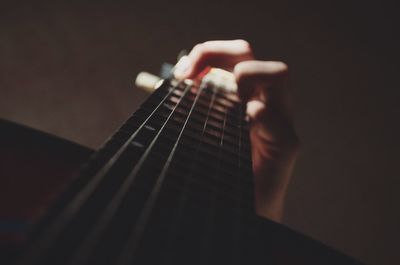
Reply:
x=172, y=186
x=181, y=161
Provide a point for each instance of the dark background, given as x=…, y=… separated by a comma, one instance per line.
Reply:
x=68, y=68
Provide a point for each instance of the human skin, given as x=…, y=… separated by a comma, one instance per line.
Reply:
x=262, y=87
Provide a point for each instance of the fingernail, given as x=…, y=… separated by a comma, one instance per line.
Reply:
x=182, y=67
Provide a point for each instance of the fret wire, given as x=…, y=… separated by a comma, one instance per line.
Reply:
x=72, y=208
x=97, y=230
x=217, y=174
x=212, y=209
x=127, y=255
x=220, y=162
x=188, y=184
x=185, y=190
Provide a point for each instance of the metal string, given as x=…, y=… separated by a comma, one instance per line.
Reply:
x=97, y=230
x=127, y=255
x=88, y=244
x=43, y=243
x=185, y=191
x=212, y=209
x=188, y=184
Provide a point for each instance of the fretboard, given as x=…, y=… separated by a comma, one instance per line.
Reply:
x=172, y=186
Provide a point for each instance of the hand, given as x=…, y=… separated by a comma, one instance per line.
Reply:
x=261, y=85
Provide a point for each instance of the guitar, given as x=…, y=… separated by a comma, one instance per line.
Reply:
x=172, y=186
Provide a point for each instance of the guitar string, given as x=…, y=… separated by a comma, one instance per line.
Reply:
x=236, y=253
x=144, y=123
x=127, y=255
x=44, y=241
x=211, y=211
x=184, y=194
x=168, y=252
x=169, y=244
x=89, y=243
x=215, y=194
x=235, y=245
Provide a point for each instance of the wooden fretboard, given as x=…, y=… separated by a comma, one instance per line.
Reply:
x=172, y=186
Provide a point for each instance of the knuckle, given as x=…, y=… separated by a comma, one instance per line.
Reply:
x=207, y=44
x=239, y=73
x=242, y=70
x=202, y=50
x=198, y=48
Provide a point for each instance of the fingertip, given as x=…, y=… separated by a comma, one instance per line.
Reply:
x=254, y=109
x=182, y=68
x=219, y=54
x=244, y=90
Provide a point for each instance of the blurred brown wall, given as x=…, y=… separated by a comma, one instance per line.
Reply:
x=68, y=69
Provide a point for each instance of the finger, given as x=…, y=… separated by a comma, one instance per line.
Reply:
x=254, y=108
x=258, y=79
x=273, y=126
x=221, y=54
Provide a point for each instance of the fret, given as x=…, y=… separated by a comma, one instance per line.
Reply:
x=128, y=254
x=197, y=123
x=173, y=185
x=203, y=166
x=199, y=171
x=224, y=103
x=66, y=216
x=143, y=173
x=173, y=99
x=177, y=91
x=185, y=185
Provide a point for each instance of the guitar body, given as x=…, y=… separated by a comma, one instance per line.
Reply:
x=34, y=169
